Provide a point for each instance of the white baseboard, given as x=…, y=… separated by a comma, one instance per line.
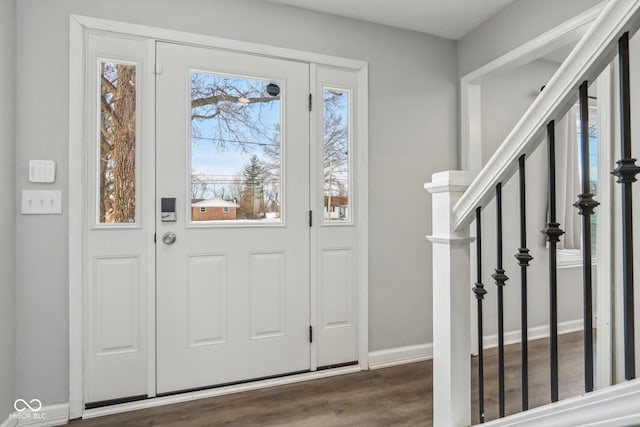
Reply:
x=513, y=337
x=9, y=422
x=400, y=355
x=417, y=353
x=614, y=406
x=47, y=416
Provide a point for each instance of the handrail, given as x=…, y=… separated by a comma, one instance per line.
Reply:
x=587, y=60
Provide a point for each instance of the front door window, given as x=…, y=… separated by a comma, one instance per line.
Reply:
x=235, y=149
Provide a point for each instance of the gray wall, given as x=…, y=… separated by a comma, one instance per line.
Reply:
x=413, y=133
x=7, y=209
x=514, y=25
x=505, y=98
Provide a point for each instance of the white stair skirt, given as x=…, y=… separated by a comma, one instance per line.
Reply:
x=614, y=406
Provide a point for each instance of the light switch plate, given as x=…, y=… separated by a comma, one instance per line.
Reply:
x=42, y=171
x=41, y=202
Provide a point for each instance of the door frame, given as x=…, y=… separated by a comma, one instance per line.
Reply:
x=79, y=26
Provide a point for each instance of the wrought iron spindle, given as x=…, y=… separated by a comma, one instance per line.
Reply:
x=480, y=292
x=523, y=258
x=626, y=173
x=500, y=279
x=553, y=233
x=586, y=205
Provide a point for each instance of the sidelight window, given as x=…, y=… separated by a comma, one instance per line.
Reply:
x=117, y=143
x=335, y=155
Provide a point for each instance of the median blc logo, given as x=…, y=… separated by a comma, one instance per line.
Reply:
x=28, y=410
x=33, y=405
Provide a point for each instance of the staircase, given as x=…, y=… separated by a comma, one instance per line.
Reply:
x=459, y=200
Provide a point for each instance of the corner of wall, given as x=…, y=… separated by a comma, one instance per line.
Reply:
x=7, y=212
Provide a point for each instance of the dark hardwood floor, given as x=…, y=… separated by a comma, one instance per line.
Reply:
x=570, y=375
x=396, y=396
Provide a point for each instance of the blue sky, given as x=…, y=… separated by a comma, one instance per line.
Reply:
x=207, y=155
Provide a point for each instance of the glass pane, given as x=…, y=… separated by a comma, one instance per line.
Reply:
x=117, y=161
x=235, y=149
x=593, y=162
x=336, y=137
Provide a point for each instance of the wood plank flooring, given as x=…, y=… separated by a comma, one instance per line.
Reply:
x=570, y=375
x=396, y=396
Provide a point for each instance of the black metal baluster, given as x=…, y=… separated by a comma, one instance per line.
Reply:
x=500, y=279
x=553, y=233
x=523, y=258
x=626, y=173
x=480, y=293
x=586, y=205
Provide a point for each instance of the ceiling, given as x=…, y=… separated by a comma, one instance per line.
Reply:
x=450, y=19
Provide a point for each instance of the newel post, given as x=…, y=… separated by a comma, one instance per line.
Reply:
x=451, y=300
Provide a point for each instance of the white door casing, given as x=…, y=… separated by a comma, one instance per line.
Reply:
x=131, y=371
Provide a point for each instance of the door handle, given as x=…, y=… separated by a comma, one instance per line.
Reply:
x=169, y=238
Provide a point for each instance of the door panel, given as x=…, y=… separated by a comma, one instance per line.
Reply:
x=232, y=291
x=207, y=294
x=335, y=270
x=336, y=238
x=117, y=285
x=267, y=294
x=118, y=212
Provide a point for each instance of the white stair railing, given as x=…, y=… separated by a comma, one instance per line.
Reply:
x=592, y=54
x=454, y=207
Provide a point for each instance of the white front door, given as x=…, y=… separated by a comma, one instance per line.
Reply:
x=232, y=224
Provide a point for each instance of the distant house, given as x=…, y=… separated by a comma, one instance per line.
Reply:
x=212, y=210
x=336, y=207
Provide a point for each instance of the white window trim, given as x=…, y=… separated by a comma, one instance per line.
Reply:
x=570, y=258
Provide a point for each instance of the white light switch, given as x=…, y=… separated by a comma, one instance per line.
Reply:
x=42, y=202
x=42, y=171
